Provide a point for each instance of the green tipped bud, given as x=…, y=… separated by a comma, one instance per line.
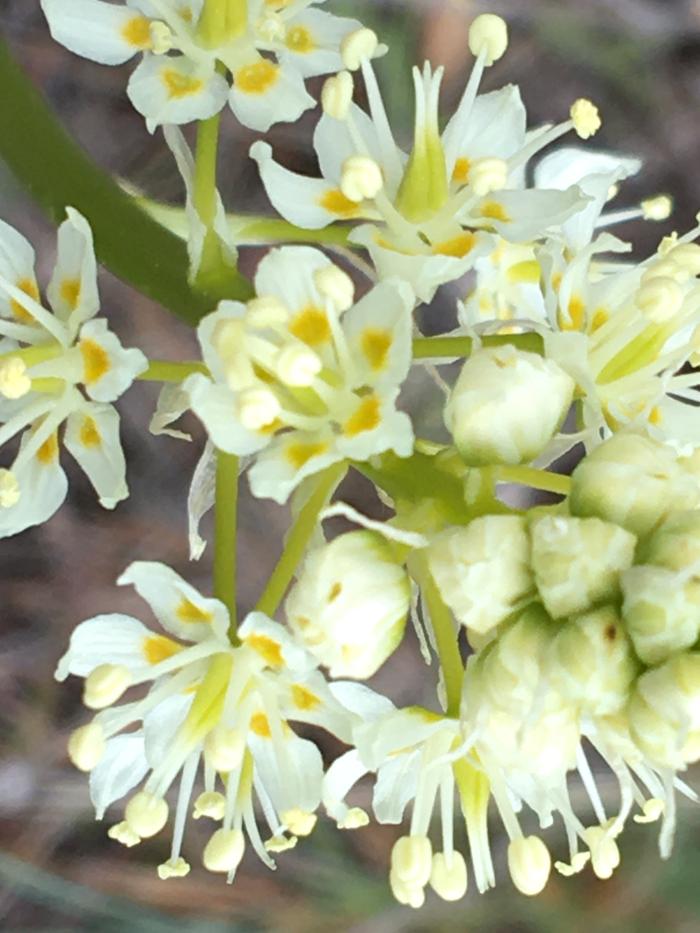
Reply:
x=578, y=561
x=664, y=712
x=676, y=543
x=350, y=604
x=483, y=570
x=506, y=406
x=661, y=610
x=632, y=481
x=591, y=662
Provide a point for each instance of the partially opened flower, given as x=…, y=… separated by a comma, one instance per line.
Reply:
x=58, y=366
x=301, y=376
x=212, y=706
x=184, y=45
x=430, y=212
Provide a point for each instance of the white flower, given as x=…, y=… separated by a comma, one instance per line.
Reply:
x=299, y=377
x=213, y=704
x=507, y=405
x=430, y=212
x=60, y=366
x=178, y=79
x=350, y=604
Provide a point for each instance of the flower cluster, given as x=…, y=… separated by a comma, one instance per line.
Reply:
x=580, y=619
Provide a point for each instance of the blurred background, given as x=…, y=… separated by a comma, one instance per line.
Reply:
x=640, y=61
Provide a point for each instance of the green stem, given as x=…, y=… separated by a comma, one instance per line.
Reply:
x=454, y=347
x=165, y=371
x=298, y=538
x=225, y=550
x=536, y=479
x=56, y=172
x=445, y=637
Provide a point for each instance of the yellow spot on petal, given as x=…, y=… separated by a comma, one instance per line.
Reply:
x=269, y=649
x=656, y=416
x=89, y=433
x=95, y=361
x=366, y=417
x=600, y=317
x=494, y=210
x=179, y=85
x=527, y=271
x=259, y=724
x=257, y=78
x=458, y=246
x=335, y=591
x=185, y=13
x=137, y=32
x=158, y=648
x=299, y=453
x=303, y=698
x=70, y=292
x=311, y=326
x=48, y=452
x=460, y=174
x=299, y=39
x=29, y=287
x=376, y=344
x=335, y=202
x=190, y=613
x=575, y=318
x=556, y=281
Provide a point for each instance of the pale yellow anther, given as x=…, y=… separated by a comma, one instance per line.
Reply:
x=297, y=366
x=361, y=178
x=271, y=27
x=652, y=811
x=358, y=46
x=278, y=844
x=530, y=864
x=487, y=175
x=336, y=286
x=687, y=256
x=224, y=748
x=123, y=834
x=408, y=894
x=162, y=39
x=355, y=818
x=578, y=863
x=211, y=804
x=605, y=855
x=488, y=34
x=86, y=746
x=299, y=822
x=146, y=814
x=448, y=877
x=586, y=118
x=173, y=868
x=412, y=860
x=224, y=851
x=257, y=408
x=105, y=685
x=266, y=311
x=660, y=298
x=665, y=268
x=336, y=96
x=658, y=208
x=14, y=381
x=9, y=489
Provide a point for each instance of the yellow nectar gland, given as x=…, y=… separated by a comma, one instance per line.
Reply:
x=269, y=649
x=300, y=40
x=335, y=202
x=311, y=326
x=303, y=698
x=89, y=433
x=178, y=85
x=376, y=344
x=137, y=32
x=191, y=614
x=157, y=648
x=48, y=452
x=70, y=292
x=458, y=247
x=31, y=289
x=366, y=418
x=257, y=78
x=298, y=453
x=96, y=363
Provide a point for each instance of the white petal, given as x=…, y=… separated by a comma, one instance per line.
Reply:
x=206, y=330
x=167, y=89
x=271, y=94
x=294, y=782
x=288, y=460
x=179, y=608
x=215, y=406
x=334, y=144
x=92, y=437
x=201, y=498
x=529, y=214
x=339, y=780
x=105, y=639
x=99, y=31
x=393, y=431
x=275, y=644
x=123, y=766
x=495, y=128
x=107, y=368
x=72, y=290
x=361, y=700
x=17, y=267
x=288, y=274
x=322, y=34
x=397, y=784
x=43, y=487
x=161, y=724
x=172, y=403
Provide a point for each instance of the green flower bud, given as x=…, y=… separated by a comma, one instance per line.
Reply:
x=591, y=662
x=577, y=561
x=483, y=570
x=506, y=406
x=664, y=712
x=350, y=604
x=676, y=543
x=661, y=610
x=632, y=481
